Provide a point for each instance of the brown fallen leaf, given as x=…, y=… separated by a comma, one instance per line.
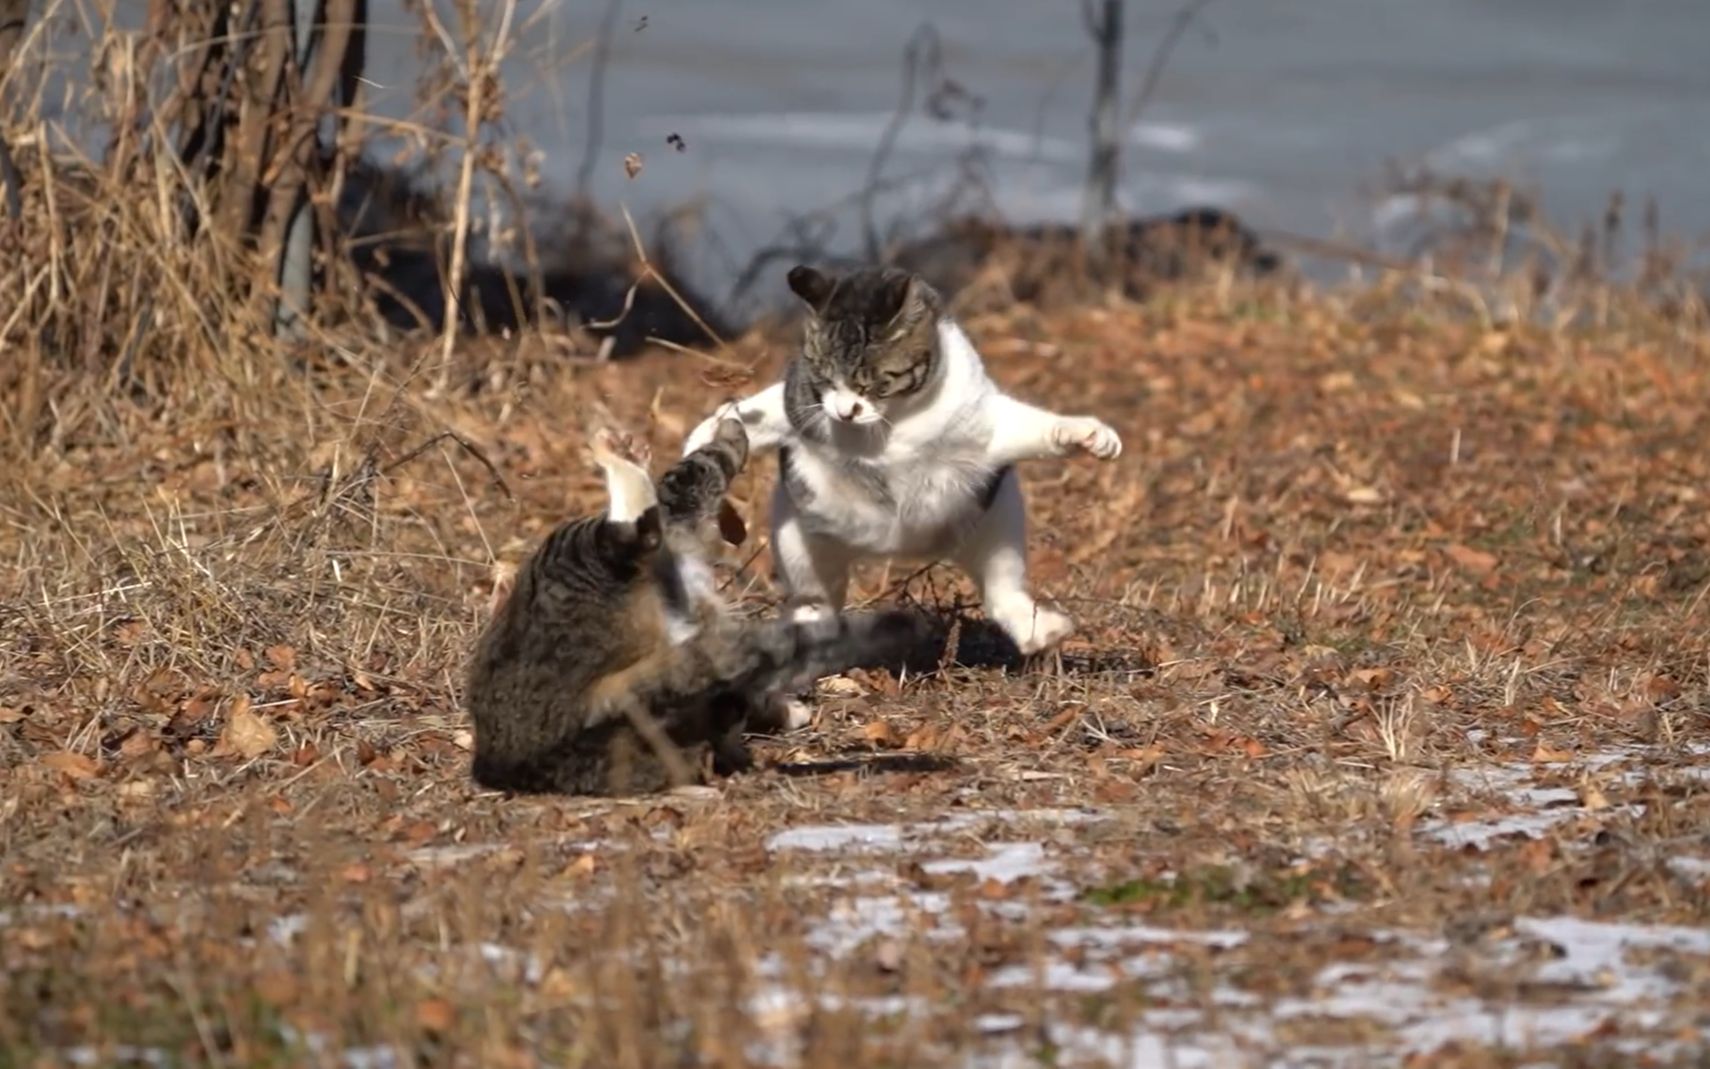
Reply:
x=1544, y=755
x=880, y=733
x=1063, y=719
x=246, y=735
x=77, y=766
x=277, y=987
x=436, y=1015
x=282, y=657
x=1476, y=561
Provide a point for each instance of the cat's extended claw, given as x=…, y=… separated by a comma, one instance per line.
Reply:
x=1088, y=435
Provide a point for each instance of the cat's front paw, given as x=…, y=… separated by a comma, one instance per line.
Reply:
x=1033, y=628
x=1084, y=434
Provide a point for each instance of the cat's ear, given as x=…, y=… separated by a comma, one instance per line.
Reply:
x=812, y=286
x=912, y=300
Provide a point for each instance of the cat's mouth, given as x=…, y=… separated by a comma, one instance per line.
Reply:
x=865, y=418
x=849, y=407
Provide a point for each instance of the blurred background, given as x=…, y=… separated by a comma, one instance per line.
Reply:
x=1349, y=134
x=1290, y=112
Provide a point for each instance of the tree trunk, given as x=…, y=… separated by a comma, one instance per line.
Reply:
x=14, y=15
x=1099, y=202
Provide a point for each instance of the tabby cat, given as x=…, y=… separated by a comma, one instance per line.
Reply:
x=894, y=442
x=611, y=667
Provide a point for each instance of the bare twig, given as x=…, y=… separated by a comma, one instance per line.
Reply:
x=923, y=54
x=1183, y=19
x=595, y=129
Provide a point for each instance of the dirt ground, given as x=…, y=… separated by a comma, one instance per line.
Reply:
x=1385, y=738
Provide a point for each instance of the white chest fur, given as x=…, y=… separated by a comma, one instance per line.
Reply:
x=920, y=480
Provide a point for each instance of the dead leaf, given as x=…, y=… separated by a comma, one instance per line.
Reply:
x=632, y=164
x=282, y=657
x=77, y=766
x=1544, y=755
x=839, y=687
x=1144, y=757
x=436, y=1015
x=730, y=525
x=246, y=735
x=1063, y=719
x=926, y=738
x=138, y=744
x=888, y=955
x=277, y=987
x=880, y=733
x=1476, y=561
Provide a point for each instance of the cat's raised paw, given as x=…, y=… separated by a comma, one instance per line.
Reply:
x=1088, y=435
x=611, y=447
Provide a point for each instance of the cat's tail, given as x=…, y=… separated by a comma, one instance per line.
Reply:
x=804, y=651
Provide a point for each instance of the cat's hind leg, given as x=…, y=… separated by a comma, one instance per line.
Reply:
x=994, y=554
x=812, y=569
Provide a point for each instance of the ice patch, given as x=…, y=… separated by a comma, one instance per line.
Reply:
x=41, y=911
x=285, y=930
x=859, y=131
x=830, y=837
x=1116, y=937
x=853, y=921
x=1004, y=862
x=119, y=1054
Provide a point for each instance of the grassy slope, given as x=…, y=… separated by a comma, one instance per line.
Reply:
x=1356, y=571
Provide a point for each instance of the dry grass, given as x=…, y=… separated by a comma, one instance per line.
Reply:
x=1393, y=638
x=1392, y=658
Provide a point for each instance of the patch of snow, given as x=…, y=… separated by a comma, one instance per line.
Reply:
x=1115, y=937
x=991, y=1024
x=1691, y=867
x=528, y=966
x=1594, y=954
x=1004, y=862
x=41, y=911
x=829, y=837
x=119, y=1054
x=853, y=921
x=285, y=930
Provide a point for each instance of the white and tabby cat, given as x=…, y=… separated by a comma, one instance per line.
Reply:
x=894, y=442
